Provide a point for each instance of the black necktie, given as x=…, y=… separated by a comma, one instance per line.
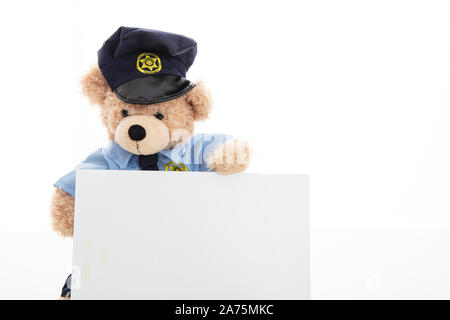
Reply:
x=149, y=162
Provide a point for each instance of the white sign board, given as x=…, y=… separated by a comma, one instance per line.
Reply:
x=190, y=235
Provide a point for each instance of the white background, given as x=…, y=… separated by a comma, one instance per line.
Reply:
x=354, y=93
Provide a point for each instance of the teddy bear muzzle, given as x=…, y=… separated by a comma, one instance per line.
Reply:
x=142, y=135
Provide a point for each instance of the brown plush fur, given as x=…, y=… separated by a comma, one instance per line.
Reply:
x=179, y=117
x=62, y=213
x=94, y=86
x=231, y=157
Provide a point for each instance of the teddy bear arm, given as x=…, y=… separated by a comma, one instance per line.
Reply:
x=231, y=157
x=62, y=209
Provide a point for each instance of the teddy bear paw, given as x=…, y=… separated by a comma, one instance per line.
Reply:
x=231, y=157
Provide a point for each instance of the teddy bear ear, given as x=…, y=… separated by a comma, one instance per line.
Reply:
x=199, y=98
x=94, y=86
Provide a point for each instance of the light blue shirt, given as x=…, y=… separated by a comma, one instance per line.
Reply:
x=190, y=156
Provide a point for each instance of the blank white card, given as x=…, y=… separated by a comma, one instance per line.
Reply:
x=190, y=235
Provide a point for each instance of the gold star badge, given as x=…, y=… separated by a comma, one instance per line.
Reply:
x=172, y=166
x=148, y=62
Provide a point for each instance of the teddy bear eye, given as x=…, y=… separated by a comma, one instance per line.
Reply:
x=125, y=113
x=159, y=116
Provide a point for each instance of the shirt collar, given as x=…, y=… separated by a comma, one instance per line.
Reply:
x=119, y=155
x=122, y=157
x=175, y=154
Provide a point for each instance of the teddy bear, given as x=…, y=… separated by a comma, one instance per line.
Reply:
x=149, y=110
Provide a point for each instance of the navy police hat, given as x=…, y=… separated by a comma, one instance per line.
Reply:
x=144, y=66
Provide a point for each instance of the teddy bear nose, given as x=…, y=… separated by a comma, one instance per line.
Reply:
x=136, y=132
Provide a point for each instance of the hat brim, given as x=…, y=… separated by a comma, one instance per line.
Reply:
x=153, y=89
